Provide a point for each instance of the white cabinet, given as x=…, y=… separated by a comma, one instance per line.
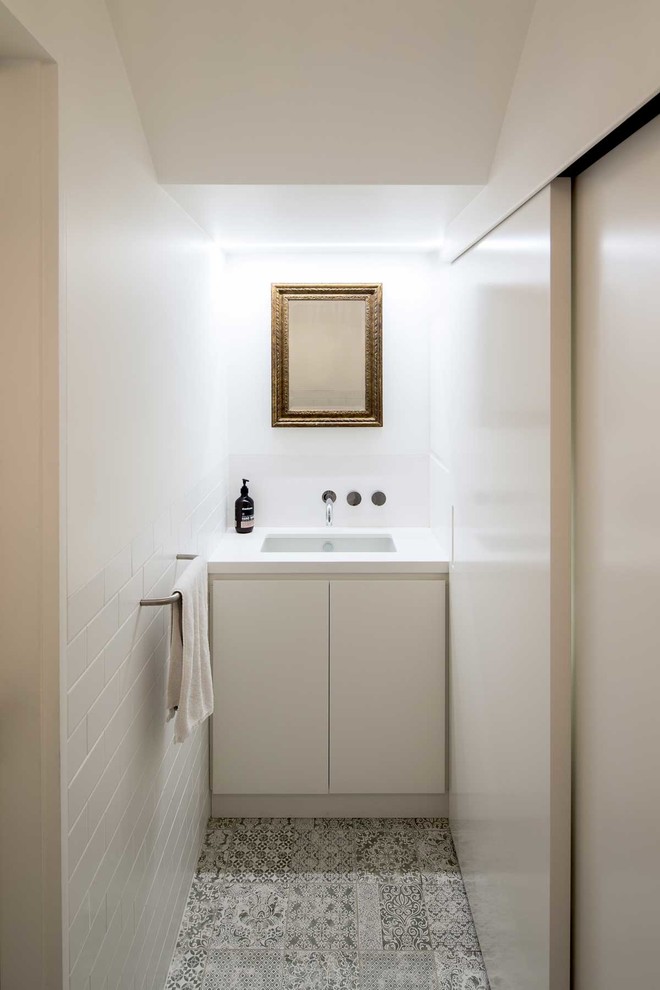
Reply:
x=387, y=687
x=328, y=687
x=270, y=675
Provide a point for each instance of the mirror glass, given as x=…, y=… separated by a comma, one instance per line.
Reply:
x=327, y=354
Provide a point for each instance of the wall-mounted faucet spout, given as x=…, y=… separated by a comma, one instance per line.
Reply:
x=329, y=498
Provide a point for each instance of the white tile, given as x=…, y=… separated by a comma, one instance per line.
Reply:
x=105, y=788
x=120, y=804
x=124, y=944
x=86, y=780
x=155, y=567
x=130, y=595
x=135, y=795
x=140, y=654
x=118, y=572
x=130, y=891
x=202, y=512
x=163, y=530
x=78, y=838
x=118, y=725
x=163, y=586
x=147, y=614
x=184, y=536
x=142, y=548
x=100, y=971
x=78, y=932
x=79, y=978
x=85, y=692
x=76, y=657
x=76, y=750
x=121, y=953
x=119, y=647
x=84, y=872
x=104, y=872
x=90, y=951
x=102, y=710
x=101, y=628
x=120, y=877
x=84, y=604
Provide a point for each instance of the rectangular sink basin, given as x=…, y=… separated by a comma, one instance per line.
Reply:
x=328, y=544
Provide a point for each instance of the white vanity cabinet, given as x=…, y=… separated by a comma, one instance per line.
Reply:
x=270, y=678
x=328, y=687
x=387, y=686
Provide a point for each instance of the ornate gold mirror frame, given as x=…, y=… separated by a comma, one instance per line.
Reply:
x=367, y=365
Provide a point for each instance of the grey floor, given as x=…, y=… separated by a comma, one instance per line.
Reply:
x=327, y=904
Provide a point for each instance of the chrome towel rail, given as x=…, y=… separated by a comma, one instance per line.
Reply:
x=171, y=599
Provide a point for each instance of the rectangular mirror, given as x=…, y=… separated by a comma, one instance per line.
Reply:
x=326, y=355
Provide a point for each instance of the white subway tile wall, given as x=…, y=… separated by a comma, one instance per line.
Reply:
x=137, y=805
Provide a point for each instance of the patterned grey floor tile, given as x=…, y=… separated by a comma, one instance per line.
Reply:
x=398, y=971
x=380, y=824
x=364, y=824
x=204, y=899
x=197, y=927
x=324, y=854
x=342, y=971
x=303, y=824
x=286, y=903
x=436, y=853
x=243, y=970
x=187, y=968
x=214, y=856
x=385, y=852
x=403, y=918
x=261, y=824
x=322, y=916
x=450, y=922
x=323, y=823
x=252, y=915
x=319, y=971
x=219, y=836
x=462, y=978
x=260, y=853
x=370, y=934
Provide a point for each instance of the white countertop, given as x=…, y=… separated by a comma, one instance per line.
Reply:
x=417, y=552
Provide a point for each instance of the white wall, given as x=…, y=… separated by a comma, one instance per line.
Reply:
x=143, y=406
x=510, y=590
x=440, y=388
x=144, y=452
x=290, y=468
x=617, y=567
x=586, y=65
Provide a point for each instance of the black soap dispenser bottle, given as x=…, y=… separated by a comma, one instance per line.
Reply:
x=244, y=510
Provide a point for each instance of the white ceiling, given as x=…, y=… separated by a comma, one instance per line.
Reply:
x=300, y=91
x=244, y=217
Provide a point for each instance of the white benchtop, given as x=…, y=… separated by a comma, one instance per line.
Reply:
x=417, y=552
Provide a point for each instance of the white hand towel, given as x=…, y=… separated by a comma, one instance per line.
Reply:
x=189, y=682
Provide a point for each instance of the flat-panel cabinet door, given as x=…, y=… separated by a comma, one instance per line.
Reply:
x=270, y=675
x=387, y=687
